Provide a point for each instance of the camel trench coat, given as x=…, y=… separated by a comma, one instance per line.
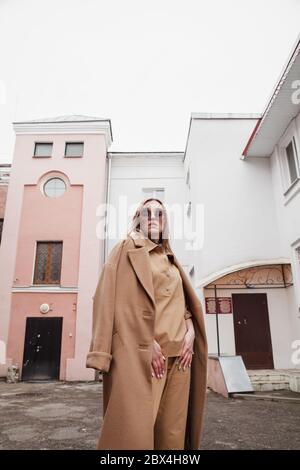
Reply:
x=121, y=347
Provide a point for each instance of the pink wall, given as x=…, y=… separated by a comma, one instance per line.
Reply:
x=44, y=218
x=27, y=305
x=215, y=378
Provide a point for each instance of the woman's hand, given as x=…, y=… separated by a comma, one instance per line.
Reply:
x=158, y=361
x=186, y=356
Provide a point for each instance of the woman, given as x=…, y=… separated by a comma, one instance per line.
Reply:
x=149, y=341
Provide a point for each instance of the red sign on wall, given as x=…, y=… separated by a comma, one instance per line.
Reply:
x=218, y=305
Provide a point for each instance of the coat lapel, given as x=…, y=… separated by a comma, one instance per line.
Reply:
x=139, y=259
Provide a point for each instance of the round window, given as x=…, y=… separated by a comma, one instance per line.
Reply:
x=54, y=187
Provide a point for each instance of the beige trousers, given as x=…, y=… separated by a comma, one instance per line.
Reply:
x=170, y=405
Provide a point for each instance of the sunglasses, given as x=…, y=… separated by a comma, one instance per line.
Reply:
x=146, y=213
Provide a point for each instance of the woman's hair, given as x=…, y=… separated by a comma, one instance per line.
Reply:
x=164, y=235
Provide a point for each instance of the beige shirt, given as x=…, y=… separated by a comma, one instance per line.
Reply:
x=171, y=311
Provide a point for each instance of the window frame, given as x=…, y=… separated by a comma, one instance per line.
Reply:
x=72, y=143
x=54, y=178
x=289, y=188
x=152, y=190
x=42, y=143
x=35, y=263
x=296, y=160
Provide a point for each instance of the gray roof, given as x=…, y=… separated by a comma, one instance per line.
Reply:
x=66, y=118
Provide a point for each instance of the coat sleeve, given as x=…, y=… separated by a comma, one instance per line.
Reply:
x=99, y=356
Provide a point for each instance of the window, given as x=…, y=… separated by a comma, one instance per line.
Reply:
x=48, y=263
x=292, y=161
x=54, y=187
x=287, y=154
x=43, y=149
x=74, y=149
x=154, y=192
x=1, y=228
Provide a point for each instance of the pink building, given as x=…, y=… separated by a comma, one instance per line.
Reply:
x=4, y=180
x=50, y=251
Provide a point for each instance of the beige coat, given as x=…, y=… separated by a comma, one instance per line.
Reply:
x=121, y=346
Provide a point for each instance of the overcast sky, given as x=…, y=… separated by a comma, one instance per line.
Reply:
x=146, y=65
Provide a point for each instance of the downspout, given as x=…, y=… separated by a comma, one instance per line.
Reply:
x=107, y=201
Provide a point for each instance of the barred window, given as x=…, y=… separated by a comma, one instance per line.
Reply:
x=48, y=263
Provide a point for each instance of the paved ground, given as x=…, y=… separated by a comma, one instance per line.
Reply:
x=60, y=415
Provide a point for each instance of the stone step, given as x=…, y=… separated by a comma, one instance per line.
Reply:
x=247, y=396
x=277, y=379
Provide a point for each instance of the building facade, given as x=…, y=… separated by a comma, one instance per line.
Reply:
x=50, y=254
x=244, y=274
x=4, y=181
x=237, y=189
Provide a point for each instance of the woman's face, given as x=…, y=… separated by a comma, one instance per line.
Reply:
x=152, y=219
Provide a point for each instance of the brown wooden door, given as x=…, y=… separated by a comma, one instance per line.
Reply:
x=252, y=330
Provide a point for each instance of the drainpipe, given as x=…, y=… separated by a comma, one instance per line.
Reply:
x=217, y=321
x=107, y=200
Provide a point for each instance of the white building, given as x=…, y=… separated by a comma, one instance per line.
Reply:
x=237, y=186
x=240, y=176
x=135, y=176
x=245, y=170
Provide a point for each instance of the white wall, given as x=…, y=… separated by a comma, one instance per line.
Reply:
x=287, y=206
x=245, y=221
x=131, y=172
x=240, y=223
x=282, y=334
